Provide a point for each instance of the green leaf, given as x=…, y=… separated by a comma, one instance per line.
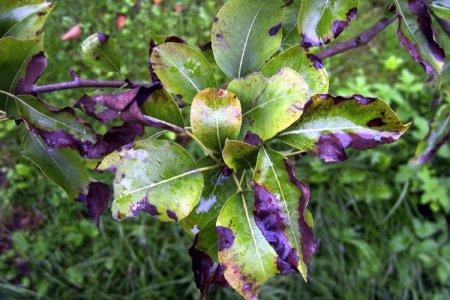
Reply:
x=40, y=117
x=14, y=55
x=248, y=89
x=441, y=8
x=100, y=51
x=281, y=198
x=62, y=166
x=218, y=187
x=183, y=70
x=239, y=155
x=289, y=25
x=330, y=124
x=249, y=259
x=155, y=176
x=275, y=105
x=215, y=116
x=307, y=65
x=160, y=105
x=23, y=19
x=320, y=21
x=245, y=34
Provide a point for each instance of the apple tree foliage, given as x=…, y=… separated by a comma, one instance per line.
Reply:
x=243, y=202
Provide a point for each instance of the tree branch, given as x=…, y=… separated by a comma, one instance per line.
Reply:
x=78, y=83
x=360, y=40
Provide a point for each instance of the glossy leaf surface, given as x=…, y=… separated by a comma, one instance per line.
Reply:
x=248, y=89
x=307, y=65
x=248, y=258
x=245, y=34
x=43, y=119
x=155, y=176
x=216, y=116
x=330, y=124
x=441, y=8
x=291, y=36
x=183, y=70
x=160, y=105
x=64, y=167
x=14, y=54
x=23, y=19
x=277, y=105
x=320, y=21
x=239, y=155
x=100, y=50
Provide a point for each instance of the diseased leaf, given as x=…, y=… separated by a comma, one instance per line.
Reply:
x=112, y=140
x=321, y=21
x=307, y=65
x=96, y=200
x=62, y=166
x=248, y=89
x=245, y=34
x=125, y=105
x=417, y=37
x=278, y=103
x=205, y=263
x=161, y=106
x=280, y=208
x=182, y=70
x=100, y=51
x=155, y=176
x=216, y=116
x=441, y=8
x=239, y=155
x=35, y=68
x=14, y=55
x=59, y=124
x=96, y=110
x=248, y=258
x=329, y=125
x=218, y=187
x=23, y=19
x=62, y=129
x=438, y=135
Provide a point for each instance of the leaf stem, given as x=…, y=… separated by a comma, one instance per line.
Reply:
x=206, y=150
x=238, y=184
x=78, y=83
x=165, y=125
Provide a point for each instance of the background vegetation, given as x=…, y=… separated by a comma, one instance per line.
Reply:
x=382, y=223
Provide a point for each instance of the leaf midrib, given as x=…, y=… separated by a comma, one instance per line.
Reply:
x=247, y=38
x=284, y=200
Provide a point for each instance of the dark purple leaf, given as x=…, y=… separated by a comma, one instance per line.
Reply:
x=36, y=66
x=96, y=200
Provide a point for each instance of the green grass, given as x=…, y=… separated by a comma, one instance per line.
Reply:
x=382, y=223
